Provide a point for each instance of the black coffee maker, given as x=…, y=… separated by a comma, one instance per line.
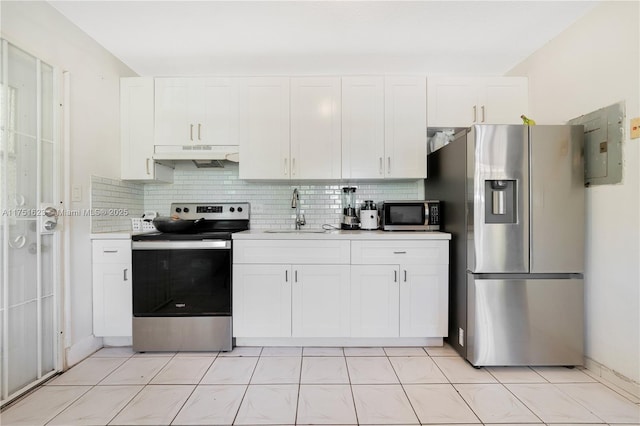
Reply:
x=350, y=219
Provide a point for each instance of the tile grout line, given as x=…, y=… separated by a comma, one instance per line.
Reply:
x=295, y=418
x=194, y=388
x=516, y=396
x=247, y=386
x=415, y=413
x=128, y=402
x=353, y=398
x=69, y=405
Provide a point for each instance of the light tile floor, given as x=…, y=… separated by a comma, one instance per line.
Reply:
x=287, y=386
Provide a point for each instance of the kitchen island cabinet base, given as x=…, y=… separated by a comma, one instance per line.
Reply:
x=340, y=341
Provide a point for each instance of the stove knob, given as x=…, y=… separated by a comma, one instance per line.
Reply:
x=186, y=209
x=178, y=209
x=231, y=209
x=239, y=209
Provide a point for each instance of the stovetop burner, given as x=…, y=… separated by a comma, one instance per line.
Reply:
x=173, y=236
x=220, y=221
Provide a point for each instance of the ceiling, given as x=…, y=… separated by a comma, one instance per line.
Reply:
x=158, y=38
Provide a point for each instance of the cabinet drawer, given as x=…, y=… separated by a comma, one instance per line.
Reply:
x=400, y=252
x=112, y=251
x=311, y=252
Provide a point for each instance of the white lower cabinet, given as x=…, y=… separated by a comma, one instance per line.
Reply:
x=261, y=300
x=344, y=289
x=375, y=301
x=112, y=298
x=320, y=301
x=412, y=276
x=424, y=300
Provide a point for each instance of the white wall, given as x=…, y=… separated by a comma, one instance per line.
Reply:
x=593, y=64
x=95, y=148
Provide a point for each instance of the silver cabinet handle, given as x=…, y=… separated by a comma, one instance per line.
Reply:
x=399, y=252
x=475, y=115
x=293, y=166
x=191, y=132
x=286, y=276
x=405, y=275
x=124, y=277
x=295, y=276
x=109, y=251
x=395, y=276
x=381, y=165
x=482, y=110
x=388, y=164
x=285, y=166
x=199, y=127
x=147, y=164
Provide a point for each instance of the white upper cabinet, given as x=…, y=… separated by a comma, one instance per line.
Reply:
x=196, y=111
x=464, y=101
x=362, y=127
x=405, y=132
x=315, y=128
x=383, y=127
x=264, y=128
x=136, y=132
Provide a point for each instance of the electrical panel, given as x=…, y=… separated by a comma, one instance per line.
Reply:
x=603, y=137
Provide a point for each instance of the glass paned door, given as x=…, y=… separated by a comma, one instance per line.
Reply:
x=28, y=235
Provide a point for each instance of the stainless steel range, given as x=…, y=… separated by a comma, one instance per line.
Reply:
x=182, y=280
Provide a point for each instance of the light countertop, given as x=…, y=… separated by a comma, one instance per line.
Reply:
x=118, y=235
x=261, y=234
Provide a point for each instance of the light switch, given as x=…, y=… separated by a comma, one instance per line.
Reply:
x=635, y=128
x=76, y=193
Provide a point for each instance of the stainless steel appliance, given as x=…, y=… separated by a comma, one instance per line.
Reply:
x=369, y=215
x=349, y=216
x=423, y=215
x=515, y=208
x=182, y=280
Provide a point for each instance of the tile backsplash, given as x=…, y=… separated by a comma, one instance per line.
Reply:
x=271, y=201
x=113, y=203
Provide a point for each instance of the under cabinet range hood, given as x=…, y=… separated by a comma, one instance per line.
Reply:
x=196, y=152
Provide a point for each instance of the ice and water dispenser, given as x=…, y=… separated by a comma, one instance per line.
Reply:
x=500, y=201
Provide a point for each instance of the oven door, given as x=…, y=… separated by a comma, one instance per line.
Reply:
x=181, y=278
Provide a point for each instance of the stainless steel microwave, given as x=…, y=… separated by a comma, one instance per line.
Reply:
x=423, y=215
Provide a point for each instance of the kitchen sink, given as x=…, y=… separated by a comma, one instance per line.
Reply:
x=295, y=231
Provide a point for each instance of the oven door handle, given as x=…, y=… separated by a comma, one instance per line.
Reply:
x=181, y=245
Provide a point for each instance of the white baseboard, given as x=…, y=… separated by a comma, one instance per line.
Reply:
x=338, y=341
x=611, y=377
x=80, y=350
x=117, y=341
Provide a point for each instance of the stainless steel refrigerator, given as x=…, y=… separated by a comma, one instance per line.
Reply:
x=513, y=200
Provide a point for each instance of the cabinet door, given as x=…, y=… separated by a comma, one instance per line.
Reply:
x=452, y=101
x=315, y=128
x=216, y=119
x=423, y=300
x=136, y=128
x=264, y=128
x=504, y=100
x=261, y=301
x=112, y=306
x=375, y=301
x=320, y=300
x=136, y=132
x=362, y=127
x=173, y=125
x=405, y=141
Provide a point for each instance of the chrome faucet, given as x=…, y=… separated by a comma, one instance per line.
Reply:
x=295, y=204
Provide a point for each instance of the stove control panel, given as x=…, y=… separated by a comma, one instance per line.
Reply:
x=211, y=211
